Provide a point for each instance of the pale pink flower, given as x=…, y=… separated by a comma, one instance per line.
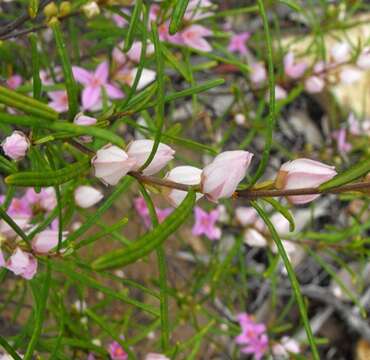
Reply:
x=237, y=43
x=111, y=164
x=93, y=83
x=119, y=20
x=188, y=175
x=143, y=211
x=340, y=52
x=196, y=10
x=285, y=347
x=221, y=177
x=90, y=356
x=253, y=338
x=258, y=73
x=350, y=75
x=342, y=144
x=84, y=120
x=357, y=127
x=254, y=238
x=246, y=215
x=363, y=61
x=16, y=145
x=128, y=76
x=14, y=81
x=46, y=198
x=59, y=100
x=46, y=77
x=292, y=68
x=280, y=93
x=154, y=356
x=46, y=240
x=303, y=173
x=164, y=35
x=139, y=151
x=194, y=36
x=23, y=264
x=19, y=206
x=21, y=220
x=205, y=224
x=135, y=52
x=116, y=352
x=314, y=84
x=87, y=196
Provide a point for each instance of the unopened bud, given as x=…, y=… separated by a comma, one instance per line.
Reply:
x=51, y=10
x=91, y=9
x=65, y=8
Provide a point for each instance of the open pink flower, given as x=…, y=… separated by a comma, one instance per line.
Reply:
x=23, y=264
x=143, y=211
x=194, y=36
x=93, y=83
x=205, y=223
x=237, y=43
x=59, y=100
x=116, y=352
x=14, y=81
x=292, y=68
x=45, y=199
x=253, y=337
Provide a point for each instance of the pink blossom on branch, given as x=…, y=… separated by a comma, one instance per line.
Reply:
x=221, y=177
x=46, y=240
x=187, y=175
x=93, y=83
x=292, y=68
x=111, y=164
x=303, y=173
x=205, y=223
x=139, y=151
x=87, y=196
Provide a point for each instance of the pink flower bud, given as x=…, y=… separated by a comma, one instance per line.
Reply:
x=303, y=173
x=84, y=120
x=221, y=177
x=87, y=196
x=188, y=175
x=111, y=164
x=16, y=145
x=116, y=352
x=314, y=84
x=46, y=240
x=139, y=150
x=22, y=263
x=293, y=69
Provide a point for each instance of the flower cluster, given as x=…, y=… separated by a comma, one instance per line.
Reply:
x=253, y=338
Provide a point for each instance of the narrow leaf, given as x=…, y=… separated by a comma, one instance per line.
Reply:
x=70, y=82
x=132, y=26
x=177, y=15
x=144, y=245
x=49, y=177
x=353, y=173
